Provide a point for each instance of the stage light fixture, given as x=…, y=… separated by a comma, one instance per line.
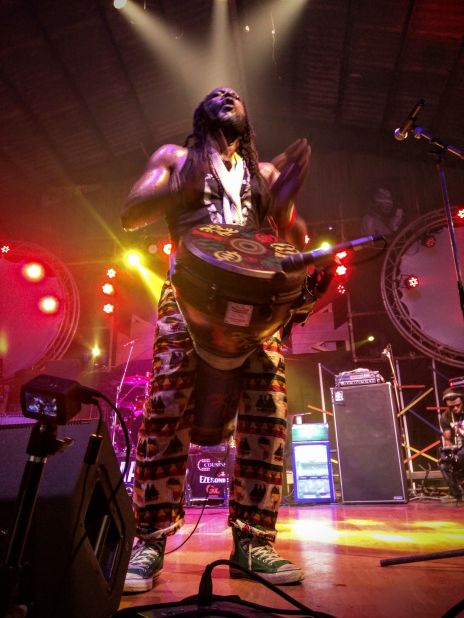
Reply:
x=5, y=248
x=95, y=351
x=371, y=338
x=133, y=259
x=167, y=248
x=119, y=4
x=49, y=304
x=341, y=289
x=111, y=273
x=108, y=289
x=460, y=215
x=341, y=255
x=324, y=246
x=33, y=271
x=247, y=28
x=152, y=248
x=412, y=281
x=50, y=399
x=108, y=309
x=429, y=241
x=341, y=270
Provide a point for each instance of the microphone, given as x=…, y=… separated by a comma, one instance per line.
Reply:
x=297, y=260
x=401, y=133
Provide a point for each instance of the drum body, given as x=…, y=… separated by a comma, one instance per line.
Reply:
x=232, y=290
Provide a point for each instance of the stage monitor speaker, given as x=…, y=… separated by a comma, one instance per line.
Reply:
x=81, y=534
x=368, y=444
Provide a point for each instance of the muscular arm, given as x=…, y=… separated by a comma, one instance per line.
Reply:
x=151, y=196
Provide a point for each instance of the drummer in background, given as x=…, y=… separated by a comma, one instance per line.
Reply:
x=451, y=460
x=215, y=178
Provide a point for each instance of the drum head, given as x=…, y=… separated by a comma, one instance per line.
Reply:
x=256, y=253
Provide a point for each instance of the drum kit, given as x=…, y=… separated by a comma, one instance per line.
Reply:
x=130, y=406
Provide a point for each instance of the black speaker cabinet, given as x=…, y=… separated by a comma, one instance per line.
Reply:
x=81, y=534
x=368, y=443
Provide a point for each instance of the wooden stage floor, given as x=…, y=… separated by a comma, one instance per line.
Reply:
x=340, y=548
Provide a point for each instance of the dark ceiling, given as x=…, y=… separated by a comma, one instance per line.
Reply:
x=85, y=97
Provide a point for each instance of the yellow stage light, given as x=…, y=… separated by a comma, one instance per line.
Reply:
x=133, y=259
x=95, y=351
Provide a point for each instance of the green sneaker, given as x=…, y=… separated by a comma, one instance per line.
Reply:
x=258, y=555
x=145, y=565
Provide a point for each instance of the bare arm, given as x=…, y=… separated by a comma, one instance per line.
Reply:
x=151, y=196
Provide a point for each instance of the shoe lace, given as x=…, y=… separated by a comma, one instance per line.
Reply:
x=262, y=550
x=144, y=554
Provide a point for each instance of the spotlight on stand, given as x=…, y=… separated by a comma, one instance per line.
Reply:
x=49, y=399
x=99, y=541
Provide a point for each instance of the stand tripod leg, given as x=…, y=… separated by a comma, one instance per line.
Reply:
x=422, y=557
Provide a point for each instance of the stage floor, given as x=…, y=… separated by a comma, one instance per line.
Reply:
x=340, y=548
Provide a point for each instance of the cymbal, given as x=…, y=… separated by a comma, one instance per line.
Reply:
x=135, y=379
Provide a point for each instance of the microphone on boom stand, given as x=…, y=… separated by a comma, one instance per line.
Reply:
x=296, y=260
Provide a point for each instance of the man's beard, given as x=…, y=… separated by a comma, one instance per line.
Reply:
x=232, y=127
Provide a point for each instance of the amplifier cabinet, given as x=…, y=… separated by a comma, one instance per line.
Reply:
x=368, y=443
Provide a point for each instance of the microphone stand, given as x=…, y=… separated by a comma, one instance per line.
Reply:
x=118, y=392
x=439, y=149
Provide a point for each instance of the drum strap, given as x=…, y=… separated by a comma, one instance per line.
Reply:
x=231, y=181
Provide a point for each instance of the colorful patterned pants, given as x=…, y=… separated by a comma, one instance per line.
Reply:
x=164, y=436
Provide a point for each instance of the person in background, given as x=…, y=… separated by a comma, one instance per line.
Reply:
x=382, y=217
x=451, y=460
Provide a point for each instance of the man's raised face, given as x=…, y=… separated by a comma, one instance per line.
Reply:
x=224, y=106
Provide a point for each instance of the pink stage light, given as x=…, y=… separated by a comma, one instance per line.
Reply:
x=49, y=304
x=33, y=271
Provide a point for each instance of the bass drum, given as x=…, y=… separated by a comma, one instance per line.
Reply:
x=232, y=290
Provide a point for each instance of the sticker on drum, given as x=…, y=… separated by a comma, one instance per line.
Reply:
x=238, y=315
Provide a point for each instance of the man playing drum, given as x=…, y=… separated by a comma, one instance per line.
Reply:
x=216, y=178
